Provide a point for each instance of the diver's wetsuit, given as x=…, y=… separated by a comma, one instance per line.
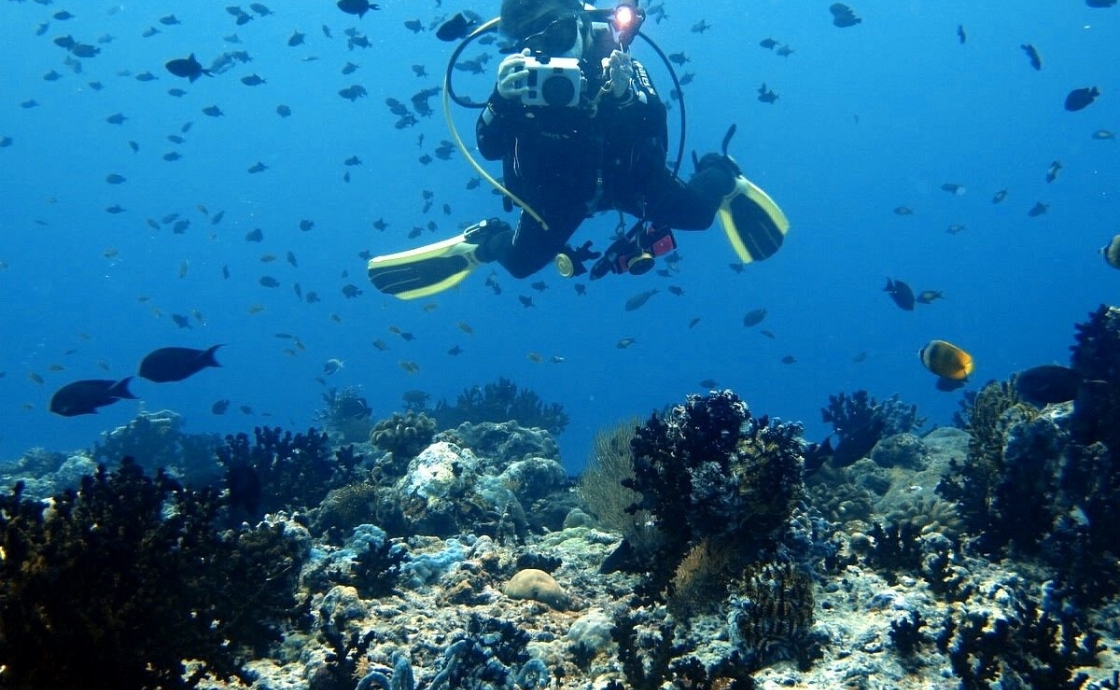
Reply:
x=568, y=163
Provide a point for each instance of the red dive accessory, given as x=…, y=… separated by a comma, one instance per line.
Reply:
x=634, y=253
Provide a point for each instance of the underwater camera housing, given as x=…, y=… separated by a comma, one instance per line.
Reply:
x=552, y=81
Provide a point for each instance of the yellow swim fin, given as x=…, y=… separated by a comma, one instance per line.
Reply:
x=755, y=225
x=424, y=271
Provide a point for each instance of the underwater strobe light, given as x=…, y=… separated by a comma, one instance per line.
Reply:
x=627, y=21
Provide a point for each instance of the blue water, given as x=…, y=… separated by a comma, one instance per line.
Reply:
x=869, y=118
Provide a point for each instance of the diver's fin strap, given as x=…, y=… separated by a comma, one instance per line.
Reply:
x=754, y=224
x=425, y=270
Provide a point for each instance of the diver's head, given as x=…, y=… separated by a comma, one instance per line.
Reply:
x=555, y=28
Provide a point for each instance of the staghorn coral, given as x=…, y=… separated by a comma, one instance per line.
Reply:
x=72, y=616
x=861, y=421
x=501, y=401
x=404, y=436
x=284, y=471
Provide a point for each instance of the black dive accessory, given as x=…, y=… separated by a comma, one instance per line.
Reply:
x=634, y=252
x=552, y=81
x=556, y=38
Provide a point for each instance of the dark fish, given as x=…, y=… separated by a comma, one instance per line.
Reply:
x=306, y=225
x=283, y=110
x=181, y=321
x=953, y=188
x=927, y=296
x=767, y=95
x=901, y=293
x=1038, y=209
x=358, y=7
x=961, y=35
x=458, y=26
x=176, y=363
x=252, y=80
x=947, y=361
x=1053, y=170
x=903, y=211
x=789, y=359
x=1079, y=99
x=525, y=300
x=219, y=407
x=212, y=111
x=188, y=68
x=678, y=59
x=269, y=282
x=710, y=384
x=843, y=16
x=1048, y=384
x=1032, y=55
x=254, y=235
x=1100, y=3
x=296, y=39
x=639, y=299
x=754, y=317
x=84, y=397
x=257, y=168
x=999, y=196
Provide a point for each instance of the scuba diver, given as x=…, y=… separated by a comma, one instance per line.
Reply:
x=580, y=130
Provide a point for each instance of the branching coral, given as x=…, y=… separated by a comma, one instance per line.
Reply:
x=128, y=576
x=158, y=440
x=501, y=401
x=346, y=415
x=711, y=470
x=284, y=471
x=860, y=421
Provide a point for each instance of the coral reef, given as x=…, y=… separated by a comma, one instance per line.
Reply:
x=501, y=401
x=1096, y=356
x=770, y=613
x=861, y=421
x=346, y=416
x=281, y=471
x=68, y=609
x=157, y=439
x=403, y=436
x=712, y=470
x=600, y=484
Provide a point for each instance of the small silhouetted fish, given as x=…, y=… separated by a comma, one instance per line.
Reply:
x=176, y=363
x=754, y=317
x=789, y=359
x=358, y=7
x=1053, y=170
x=953, y=188
x=901, y=293
x=188, y=68
x=219, y=407
x=903, y=211
x=457, y=27
x=84, y=397
x=283, y=110
x=212, y=111
x=927, y=296
x=1038, y=209
x=1104, y=135
x=1032, y=55
x=113, y=178
x=1100, y=3
x=296, y=39
x=254, y=235
x=1081, y=98
x=999, y=196
x=306, y=225
x=961, y=35
x=269, y=282
x=639, y=299
x=1048, y=384
x=258, y=167
x=625, y=343
x=525, y=300
x=252, y=80
x=768, y=43
x=766, y=95
x=181, y=321
x=843, y=16
x=709, y=384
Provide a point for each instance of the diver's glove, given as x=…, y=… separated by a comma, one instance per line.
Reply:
x=513, y=76
x=619, y=71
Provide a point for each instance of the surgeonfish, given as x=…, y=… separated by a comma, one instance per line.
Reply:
x=951, y=364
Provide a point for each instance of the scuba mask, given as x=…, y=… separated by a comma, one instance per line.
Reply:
x=555, y=39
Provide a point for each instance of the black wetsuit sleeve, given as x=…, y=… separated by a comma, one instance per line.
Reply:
x=497, y=127
x=641, y=110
